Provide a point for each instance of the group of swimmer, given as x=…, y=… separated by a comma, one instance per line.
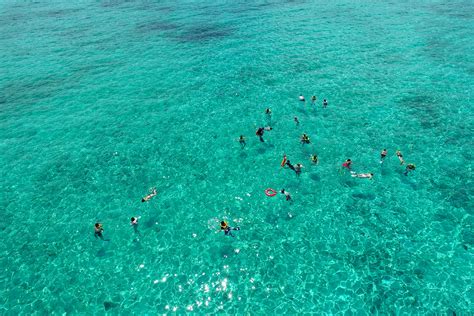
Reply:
x=99, y=229
x=304, y=139
x=383, y=154
x=313, y=100
x=297, y=168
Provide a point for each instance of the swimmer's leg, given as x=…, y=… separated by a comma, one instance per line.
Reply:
x=135, y=229
x=261, y=139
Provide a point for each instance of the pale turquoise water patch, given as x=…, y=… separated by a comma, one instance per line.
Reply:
x=101, y=101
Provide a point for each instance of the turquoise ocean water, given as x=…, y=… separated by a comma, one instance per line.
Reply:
x=100, y=101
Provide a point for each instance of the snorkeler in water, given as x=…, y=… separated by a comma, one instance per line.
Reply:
x=325, y=103
x=347, y=164
x=410, y=167
x=383, y=154
x=298, y=168
x=134, y=223
x=296, y=121
x=242, y=141
x=313, y=99
x=287, y=194
x=302, y=98
x=227, y=229
x=400, y=157
x=362, y=175
x=268, y=112
x=305, y=139
x=288, y=163
x=98, y=229
x=149, y=196
x=314, y=159
x=259, y=133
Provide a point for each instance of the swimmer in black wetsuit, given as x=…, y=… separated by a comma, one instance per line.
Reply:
x=242, y=141
x=259, y=133
x=288, y=163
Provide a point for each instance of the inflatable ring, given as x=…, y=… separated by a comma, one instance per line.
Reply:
x=270, y=192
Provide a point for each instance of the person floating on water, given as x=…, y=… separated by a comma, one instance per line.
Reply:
x=98, y=229
x=313, y=99
x=383, y=154
x=325, y=103
x=305, y=139
x=314, y=159
x=134, y=223
x=242, y=141
x=286, y=193
x=400, y=157
x=288, y=163
x=296, y=121
x=410, y=167
x=298, y=168
x=362, y=175
x=259, y=133
x=227, y=229
x=302, y=98
x=268, y=112
x=149, y=196
x=347, y=164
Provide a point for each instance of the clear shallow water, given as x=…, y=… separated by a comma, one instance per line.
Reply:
x=101, y=101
